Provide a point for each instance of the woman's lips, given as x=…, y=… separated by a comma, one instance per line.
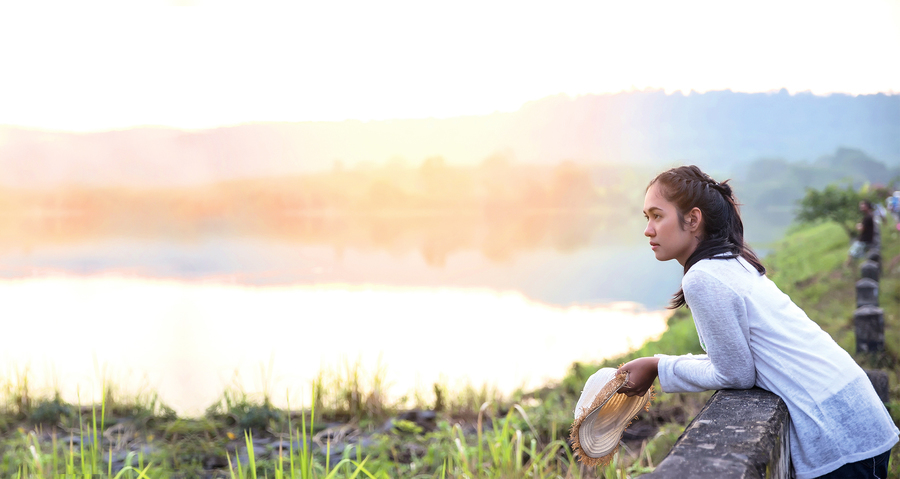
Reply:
x=653, y=246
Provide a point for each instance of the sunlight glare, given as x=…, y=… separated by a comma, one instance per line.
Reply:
x=102, y=65
x=187, y=340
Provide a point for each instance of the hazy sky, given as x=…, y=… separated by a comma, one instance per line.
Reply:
x=196, y=64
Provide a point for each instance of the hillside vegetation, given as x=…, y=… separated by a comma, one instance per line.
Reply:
x=716, y=129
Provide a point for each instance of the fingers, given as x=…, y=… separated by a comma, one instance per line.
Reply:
x=632, y=392
x=631, y=389
x=641, y=374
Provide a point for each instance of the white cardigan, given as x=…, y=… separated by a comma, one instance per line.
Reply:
x=754, y=334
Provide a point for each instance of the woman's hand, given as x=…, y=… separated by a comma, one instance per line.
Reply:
x=641, y=374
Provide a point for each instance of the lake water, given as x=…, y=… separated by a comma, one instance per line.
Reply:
x=189, y=317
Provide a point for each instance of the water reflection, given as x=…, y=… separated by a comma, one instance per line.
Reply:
x=486, y=277
x=187, y=340
x=588, y=275
x=499, y=273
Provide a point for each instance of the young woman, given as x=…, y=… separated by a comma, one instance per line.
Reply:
x=754, y=335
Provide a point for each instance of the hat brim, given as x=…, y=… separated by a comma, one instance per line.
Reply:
x=598, y=428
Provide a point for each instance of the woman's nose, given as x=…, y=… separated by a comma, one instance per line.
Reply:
x=648, y=231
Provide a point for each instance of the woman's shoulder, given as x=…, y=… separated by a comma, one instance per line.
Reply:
x=732, y=272
x=716, y=266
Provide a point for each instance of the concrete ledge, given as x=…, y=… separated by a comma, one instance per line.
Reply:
x=738, y=434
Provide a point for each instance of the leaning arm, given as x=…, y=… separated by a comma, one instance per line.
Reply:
x=721, y=319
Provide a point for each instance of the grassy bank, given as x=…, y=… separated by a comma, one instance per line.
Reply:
x=347, y=429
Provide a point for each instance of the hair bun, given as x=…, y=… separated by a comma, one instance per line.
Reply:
x=724, y=187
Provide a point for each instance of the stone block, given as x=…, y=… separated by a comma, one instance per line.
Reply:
x=869, y=269
x=880, y=382
x=868, y=322
x=874, y=255
x=738, y=434
x=866, y=292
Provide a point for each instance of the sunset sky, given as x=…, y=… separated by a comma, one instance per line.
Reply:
x=196, y=64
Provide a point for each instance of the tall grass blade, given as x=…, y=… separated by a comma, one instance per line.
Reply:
x=248, y=437
x=480, y=428
x=291, y=437
x=230, y=466
x=95, y=446
x=54, y=458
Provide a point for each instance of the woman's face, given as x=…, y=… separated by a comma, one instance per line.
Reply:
x=669, y=237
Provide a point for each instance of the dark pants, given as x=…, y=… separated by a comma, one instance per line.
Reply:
x=873, y=467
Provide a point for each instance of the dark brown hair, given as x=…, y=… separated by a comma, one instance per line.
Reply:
x=722, y=235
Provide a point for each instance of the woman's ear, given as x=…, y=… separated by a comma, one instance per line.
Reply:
x=693, y=219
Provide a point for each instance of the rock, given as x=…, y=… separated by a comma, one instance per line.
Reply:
x=148, y=449
x=366, y=443
x=118, y=456
x=426, y=419
x=387, y=427
x=409, y=451
x=332, y=449
x=117, y=466
x=215, y=462
x=261, y=442
x=286, y=445
x=879, y=381
x=76, y=440
x=426, y=416
x=638, y=431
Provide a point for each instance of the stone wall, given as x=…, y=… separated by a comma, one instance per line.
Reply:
x=738, y=434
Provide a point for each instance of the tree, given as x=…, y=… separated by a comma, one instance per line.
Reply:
x=834, y=203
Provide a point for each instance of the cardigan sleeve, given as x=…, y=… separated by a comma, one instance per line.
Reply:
x=720, y=316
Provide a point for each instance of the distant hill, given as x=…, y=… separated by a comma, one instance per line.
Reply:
x=717, y=130
x=771, y=188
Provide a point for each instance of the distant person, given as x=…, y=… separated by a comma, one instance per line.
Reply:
x=893, y=206
x=754, y=335
x=866, y=239
x=879, y=213
x=879, y=217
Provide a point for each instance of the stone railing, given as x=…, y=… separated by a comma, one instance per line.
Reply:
x=868, y=319
x=738, y=434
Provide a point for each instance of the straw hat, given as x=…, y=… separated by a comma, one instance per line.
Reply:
x=601, y=416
